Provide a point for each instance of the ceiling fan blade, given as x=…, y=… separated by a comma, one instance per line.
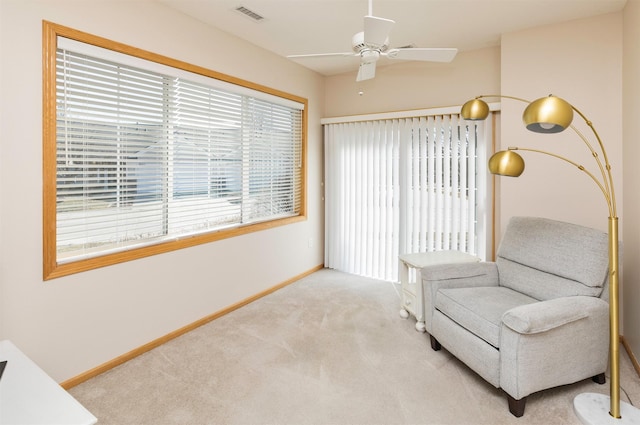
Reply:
x=423, y=54
x=376, y=30
x=366, y=71
x=322, y=55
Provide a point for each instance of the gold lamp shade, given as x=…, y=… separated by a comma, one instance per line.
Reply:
x=506, y=163
x=475, y=110
x=548, y=115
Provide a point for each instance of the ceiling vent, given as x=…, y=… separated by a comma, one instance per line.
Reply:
x=249, y=13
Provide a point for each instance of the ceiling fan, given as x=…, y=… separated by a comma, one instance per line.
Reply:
x=373, y=42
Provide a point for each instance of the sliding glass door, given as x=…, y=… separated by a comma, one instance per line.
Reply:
x=402, y=185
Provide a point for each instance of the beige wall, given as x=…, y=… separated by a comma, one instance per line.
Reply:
x=583, y=66
x=631, y=129
x=72, y=324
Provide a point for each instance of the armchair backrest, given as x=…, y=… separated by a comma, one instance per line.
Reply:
x=548, y=259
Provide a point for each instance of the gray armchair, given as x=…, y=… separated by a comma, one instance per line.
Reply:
x=536, y=318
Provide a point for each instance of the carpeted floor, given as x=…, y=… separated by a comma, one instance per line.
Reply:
x=328, y=349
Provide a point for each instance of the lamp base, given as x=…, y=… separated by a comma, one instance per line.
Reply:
x=593, y=409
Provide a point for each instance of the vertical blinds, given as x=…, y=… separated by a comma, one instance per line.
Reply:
x=145, y=156
x=438, y=208
x=396, y=186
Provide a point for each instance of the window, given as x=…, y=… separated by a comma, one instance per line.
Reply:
x=397, y=185
x=143, y=154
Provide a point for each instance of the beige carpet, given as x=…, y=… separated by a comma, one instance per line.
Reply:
x=328, y=349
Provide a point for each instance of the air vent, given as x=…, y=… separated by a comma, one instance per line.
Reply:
x=249, y=13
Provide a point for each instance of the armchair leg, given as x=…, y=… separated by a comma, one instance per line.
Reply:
x=516, y=407
x=435, y=345
x=599, y=379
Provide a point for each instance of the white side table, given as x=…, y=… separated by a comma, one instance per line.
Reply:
x=28, y=396
x=412, y=299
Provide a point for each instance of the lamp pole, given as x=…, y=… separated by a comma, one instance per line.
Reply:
x=551, y=115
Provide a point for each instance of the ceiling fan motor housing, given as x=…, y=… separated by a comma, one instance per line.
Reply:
x=358, y=44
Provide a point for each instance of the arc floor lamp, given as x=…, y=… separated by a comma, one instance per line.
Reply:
x=552, y=114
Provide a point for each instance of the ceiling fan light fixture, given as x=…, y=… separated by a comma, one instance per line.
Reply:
x=369, y=56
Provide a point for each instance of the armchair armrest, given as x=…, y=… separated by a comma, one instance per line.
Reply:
x=553, y=342
x=546, y=315
x=458, y=275
x=461, y=274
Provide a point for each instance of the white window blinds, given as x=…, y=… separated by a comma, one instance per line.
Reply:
x=146, y=156
x=405, y=185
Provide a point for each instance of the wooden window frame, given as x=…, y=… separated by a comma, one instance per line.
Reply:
x=51, y=267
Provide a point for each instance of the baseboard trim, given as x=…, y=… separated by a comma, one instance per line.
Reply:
x=70, y=383
x=634, y=361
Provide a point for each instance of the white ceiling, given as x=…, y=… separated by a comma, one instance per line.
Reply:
x=326, y=26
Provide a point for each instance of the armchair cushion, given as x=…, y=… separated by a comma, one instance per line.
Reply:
x=480, y=310
x=541, y=285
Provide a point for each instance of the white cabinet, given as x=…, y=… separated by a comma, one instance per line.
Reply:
x=411, y=297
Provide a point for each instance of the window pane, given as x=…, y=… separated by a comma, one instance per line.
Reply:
x=144, y=157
